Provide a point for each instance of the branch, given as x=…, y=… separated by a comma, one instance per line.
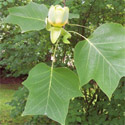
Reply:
x=64, y=2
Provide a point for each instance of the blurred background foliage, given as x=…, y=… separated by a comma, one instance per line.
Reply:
x=19, y=52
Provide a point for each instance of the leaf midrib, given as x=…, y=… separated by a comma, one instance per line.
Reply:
x=28, y=17
x=50, y=83
x=91, y=44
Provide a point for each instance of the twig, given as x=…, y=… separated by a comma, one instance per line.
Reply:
x=64, y=2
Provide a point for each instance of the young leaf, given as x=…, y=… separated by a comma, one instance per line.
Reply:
x=29, y=17
x=50, y=91
x=102, y=58
x=55, y=33
x=66, y=35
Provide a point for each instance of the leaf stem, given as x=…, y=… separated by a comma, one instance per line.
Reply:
x=51, y=75
x=54, y=54
x=81, y=36
x=64, y=2
x=53, y=60
x=80, y=26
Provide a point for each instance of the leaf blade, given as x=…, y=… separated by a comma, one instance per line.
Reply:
x=99, y=57
x=29, y=17
x=51, y=99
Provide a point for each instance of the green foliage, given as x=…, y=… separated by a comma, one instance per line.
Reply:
x=88, y=17
x=50, y=91
x=20, y=52
x=19, y=99
x=18, y=103
x=102, y=57
x=23, y=51
x=93, y=107
x=72, y=15
x=96, y=108
x=29, y=17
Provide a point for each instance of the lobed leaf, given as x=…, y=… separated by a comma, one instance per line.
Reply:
x=102, y=57
x=29, y=17
x=50, y=91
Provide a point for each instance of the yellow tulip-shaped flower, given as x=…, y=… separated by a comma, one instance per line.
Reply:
x=58, y=16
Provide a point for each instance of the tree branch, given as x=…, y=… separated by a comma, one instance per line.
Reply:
x=64, y=2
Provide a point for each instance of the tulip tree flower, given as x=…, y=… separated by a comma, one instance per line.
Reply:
x=57, y=18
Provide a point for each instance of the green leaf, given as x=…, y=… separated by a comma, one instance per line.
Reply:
x=57, y=2
x=55, y=33
x=102, y=58
x=50, y=91
x=66, y=35
x=29, y=17
x=72, y=15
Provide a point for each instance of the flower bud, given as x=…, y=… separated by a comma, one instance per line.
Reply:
x=58, y=16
